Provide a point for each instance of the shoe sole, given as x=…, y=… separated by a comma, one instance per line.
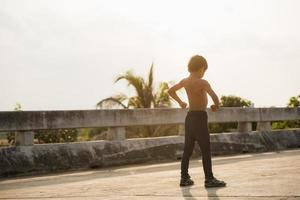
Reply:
x=211, y=186
x=185, y=185
x=182, y=185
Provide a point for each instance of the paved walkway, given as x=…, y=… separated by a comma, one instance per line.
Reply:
x=272, y=176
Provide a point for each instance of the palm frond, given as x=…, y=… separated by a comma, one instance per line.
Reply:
x=150, y=76
x=145, y=96
x=148, y=89
x=134, y=102
x=116, y=100
x=136, y=81
x=161, y=97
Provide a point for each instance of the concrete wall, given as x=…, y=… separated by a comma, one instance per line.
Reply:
x=36, y=120
x=26, y=122
x=26, y=157
x=54, y=157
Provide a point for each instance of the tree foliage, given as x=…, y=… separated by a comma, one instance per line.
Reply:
x=294, y=102
x=234, y=101
x=229, y=101
x=56, y=135
x=47, y=136
x=146, y=96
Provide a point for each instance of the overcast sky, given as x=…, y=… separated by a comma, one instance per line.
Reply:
x=66, y=54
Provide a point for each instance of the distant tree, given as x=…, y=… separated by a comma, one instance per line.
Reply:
x=229, y=101
x=56, y=135
x=93, y=133
x=146, y=96
x=11, y=135
x=234, y=101
x=47, y=136
x=18, y=107
x=294, y=102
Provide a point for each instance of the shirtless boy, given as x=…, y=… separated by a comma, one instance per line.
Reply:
x=196, y=126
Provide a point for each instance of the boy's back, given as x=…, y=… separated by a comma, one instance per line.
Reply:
x=195, y=90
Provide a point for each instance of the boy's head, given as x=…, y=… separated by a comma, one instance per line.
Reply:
x=197, y=64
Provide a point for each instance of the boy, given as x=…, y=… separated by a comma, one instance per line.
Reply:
x=196, y=127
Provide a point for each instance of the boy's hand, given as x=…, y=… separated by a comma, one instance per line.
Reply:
x=214, y=108
x=183, y=104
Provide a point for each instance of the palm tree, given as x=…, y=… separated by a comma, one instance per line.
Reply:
x=145, y=96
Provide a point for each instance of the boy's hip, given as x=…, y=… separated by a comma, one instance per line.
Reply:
x=197, y=113
x=196, y=118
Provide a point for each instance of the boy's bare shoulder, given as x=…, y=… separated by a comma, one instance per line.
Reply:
x=202, y=82
x=182, y=81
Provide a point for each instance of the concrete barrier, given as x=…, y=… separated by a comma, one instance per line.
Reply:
x=26, y=122
x=104, y=153
x=37, y=120
x=117, y=150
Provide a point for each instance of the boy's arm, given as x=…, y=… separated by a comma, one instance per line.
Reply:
x=211, y=93
x=172, y=93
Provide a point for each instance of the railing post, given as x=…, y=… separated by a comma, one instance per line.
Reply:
x=181, y=129
x=116, y=133
x=263, y=126
x=24, y=138
x=244, y=127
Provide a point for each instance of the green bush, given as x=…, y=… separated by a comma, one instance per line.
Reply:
x=50, y=136
x=56, y=135
x=228, y=101
x=294, y=102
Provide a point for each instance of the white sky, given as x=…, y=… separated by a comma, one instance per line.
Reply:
x=66, y=54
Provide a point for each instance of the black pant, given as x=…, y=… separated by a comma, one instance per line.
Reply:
x=196, y=129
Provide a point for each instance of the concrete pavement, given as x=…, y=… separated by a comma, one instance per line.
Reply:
x=272, y=176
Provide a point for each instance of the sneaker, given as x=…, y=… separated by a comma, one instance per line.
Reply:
x=213, y=182
x=186, y=181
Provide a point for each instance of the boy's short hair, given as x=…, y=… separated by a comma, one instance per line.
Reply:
x=197, y=62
